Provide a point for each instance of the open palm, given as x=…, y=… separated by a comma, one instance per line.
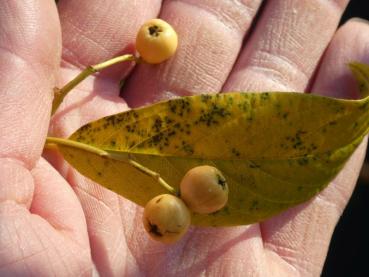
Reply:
x=72, y=226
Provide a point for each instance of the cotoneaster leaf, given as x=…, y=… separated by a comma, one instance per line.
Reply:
x=276, y=150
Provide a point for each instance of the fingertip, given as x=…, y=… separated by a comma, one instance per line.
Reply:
x=349, y=44
x=357, y=28
x=358, y=20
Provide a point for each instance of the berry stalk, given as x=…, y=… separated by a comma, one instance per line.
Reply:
x=59, y=94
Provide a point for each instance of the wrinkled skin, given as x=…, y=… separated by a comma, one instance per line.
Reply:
x=54, y=221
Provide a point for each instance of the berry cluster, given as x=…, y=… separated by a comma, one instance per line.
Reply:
x=203, y=190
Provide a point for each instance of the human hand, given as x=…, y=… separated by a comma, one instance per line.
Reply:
x=43, y=228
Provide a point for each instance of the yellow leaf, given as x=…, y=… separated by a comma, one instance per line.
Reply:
x=276, y=150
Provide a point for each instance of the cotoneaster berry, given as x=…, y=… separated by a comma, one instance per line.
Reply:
x=156, y=41
x=166, y=218
x=204, y=189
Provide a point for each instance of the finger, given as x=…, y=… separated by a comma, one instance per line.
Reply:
x=94, y=31
x=210, y=36
x=301, y=235
x=346, y=48
x=29, y=54
x=286, y=45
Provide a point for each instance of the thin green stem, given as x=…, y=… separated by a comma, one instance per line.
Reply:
x=143, y=169
x=154, y=175
x=59, y=94
x=51, y=142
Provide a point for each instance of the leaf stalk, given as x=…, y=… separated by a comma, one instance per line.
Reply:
x=51, y=142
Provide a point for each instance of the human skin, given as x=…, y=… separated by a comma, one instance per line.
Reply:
x=56, y=222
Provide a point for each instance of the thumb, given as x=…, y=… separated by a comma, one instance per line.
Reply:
x=30, y=46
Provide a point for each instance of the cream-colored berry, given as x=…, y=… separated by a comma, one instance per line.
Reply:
x=166, y=218
x=204, y=189
x=156, y=41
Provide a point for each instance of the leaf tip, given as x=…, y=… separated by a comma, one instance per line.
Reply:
x=361, y=74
